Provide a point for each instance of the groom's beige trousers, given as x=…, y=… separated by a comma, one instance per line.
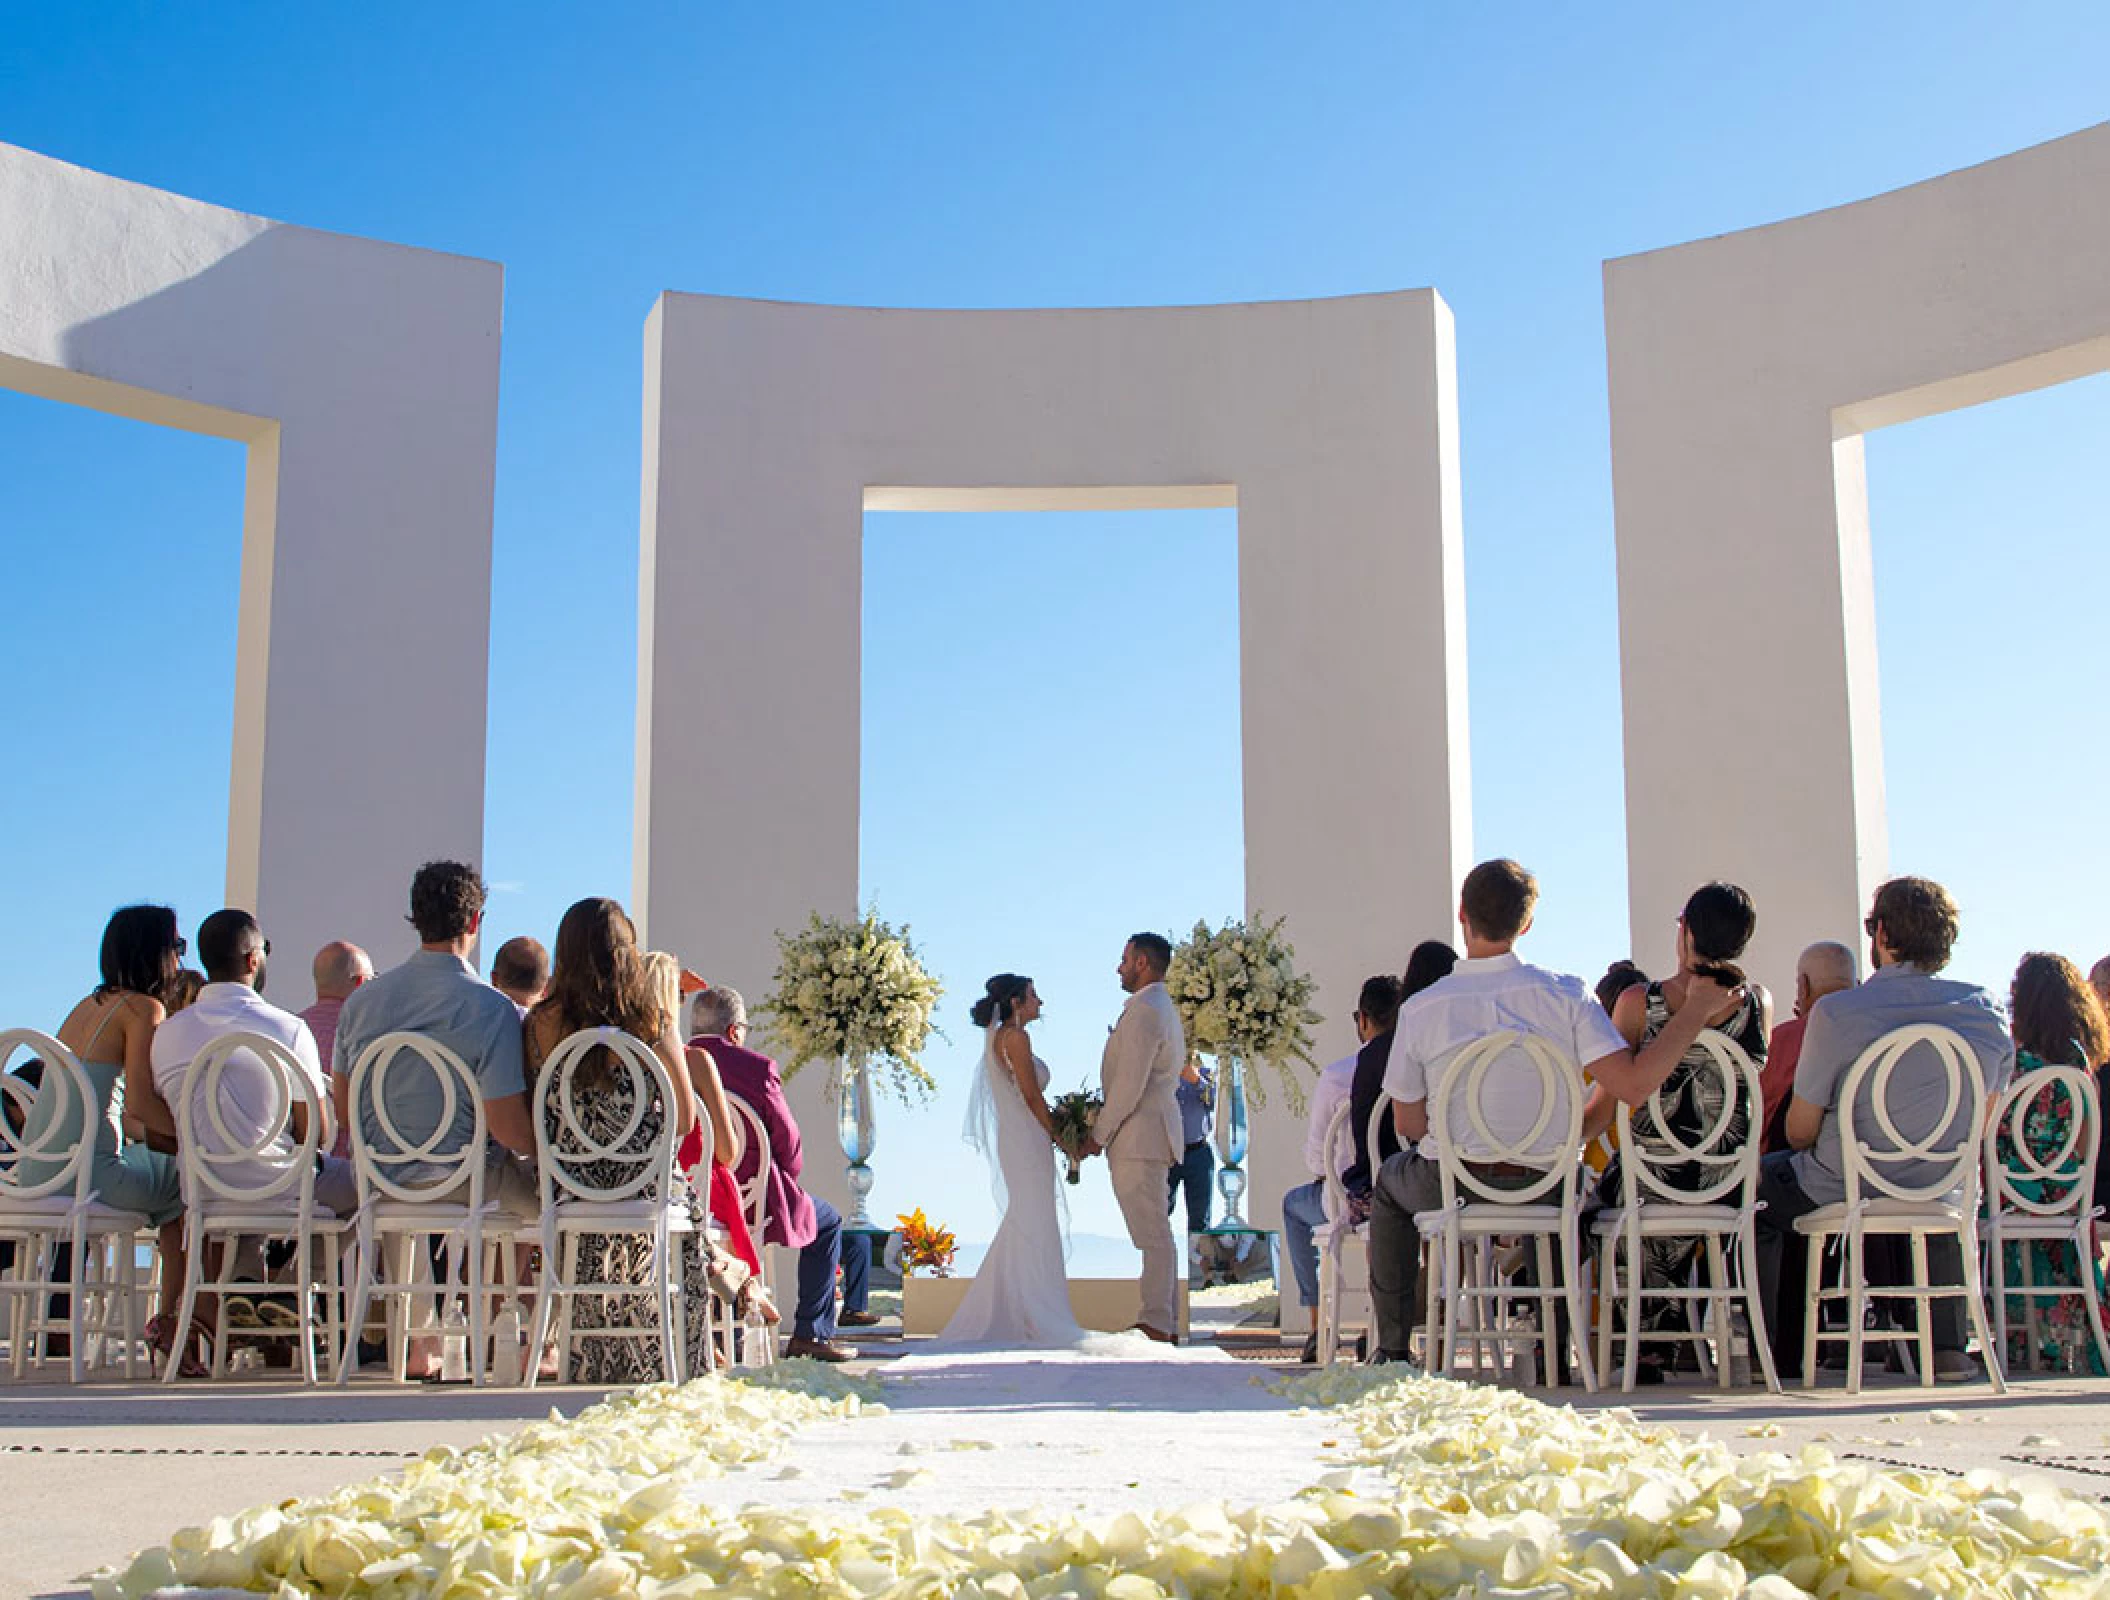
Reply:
x=1140, y=1189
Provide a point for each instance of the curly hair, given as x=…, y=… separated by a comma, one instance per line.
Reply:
x=2054, y=1014
x=446, y=898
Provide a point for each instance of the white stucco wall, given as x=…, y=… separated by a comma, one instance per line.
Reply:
x=363, y=377
x=1744, y=370
x=1331, y=425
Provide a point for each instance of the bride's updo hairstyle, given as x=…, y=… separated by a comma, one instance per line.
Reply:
x=1002, y=994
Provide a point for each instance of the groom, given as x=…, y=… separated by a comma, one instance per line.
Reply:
x=1139, y=1126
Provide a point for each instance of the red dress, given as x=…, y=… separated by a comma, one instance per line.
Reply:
x=724, y=1199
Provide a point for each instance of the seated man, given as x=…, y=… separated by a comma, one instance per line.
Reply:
x=520, y=972
x=1911, y=930
x=437, y=993
x=799, y=1221
x=1304, y=1207
x=340, y=967
x=1490, y=991
x=1824, y=968
x=235, y=953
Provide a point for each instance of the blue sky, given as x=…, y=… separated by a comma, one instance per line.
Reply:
x=1018, y=155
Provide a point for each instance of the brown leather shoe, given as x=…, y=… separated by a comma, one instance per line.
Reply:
x=858, y=1319
x=819, y=1349
x=1148, y=1332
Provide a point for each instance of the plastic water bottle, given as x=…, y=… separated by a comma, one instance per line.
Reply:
x=454, y=1345
x=505, y=1351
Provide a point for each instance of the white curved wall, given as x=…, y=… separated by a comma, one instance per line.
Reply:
x=1331, y=425
x=363, y=377
x=1744, y=370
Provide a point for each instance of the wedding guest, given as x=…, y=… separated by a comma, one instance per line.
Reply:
x=718, y=1187
x=1619, y=977
x=1490, y=991
x=1304, y=1207
x=1196, y=1094
x=520, y=972
x=1824, y=968
x=183, y=989
x=2055, y=1019
x=111, y=1032
x=792, y=1217
x=599, y=981
x=1911, y=929
x=2099, y=981
x=1431, y=960
x=1715, y=926
x=340, y=967
x=437, y=993
x=236, y=956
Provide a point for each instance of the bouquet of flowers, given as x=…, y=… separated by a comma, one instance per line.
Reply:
x=1240, y=994
x=1074, y=1114
x=853, y=992
x=925, y=1244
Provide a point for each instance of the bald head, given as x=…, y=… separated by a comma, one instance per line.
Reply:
x=1824, y=968
x=340, y=967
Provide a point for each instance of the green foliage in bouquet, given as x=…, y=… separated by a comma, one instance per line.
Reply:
x=1073, y=1115
x=1240, y=994
x=853, y=991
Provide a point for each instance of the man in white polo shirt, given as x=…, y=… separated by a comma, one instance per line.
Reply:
x=235, y=951
x=1490, y=991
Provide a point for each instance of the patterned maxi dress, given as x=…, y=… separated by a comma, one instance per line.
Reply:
x=624, y=1258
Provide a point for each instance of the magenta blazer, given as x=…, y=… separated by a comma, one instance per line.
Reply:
x=753, y=1077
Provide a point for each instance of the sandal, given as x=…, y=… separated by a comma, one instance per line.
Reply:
x=241, y=1312
x=276, y=1314
x=727, y=1275
x=161, y=1334
x=753, y=1301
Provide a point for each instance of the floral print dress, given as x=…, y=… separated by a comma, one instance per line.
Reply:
x=2046, y=1126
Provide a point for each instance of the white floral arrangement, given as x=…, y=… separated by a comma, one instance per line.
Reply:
x=851, y=992
x=1240, y=994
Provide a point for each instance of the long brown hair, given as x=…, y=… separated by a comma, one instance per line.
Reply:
x=599, y=977
x=2051, y=1010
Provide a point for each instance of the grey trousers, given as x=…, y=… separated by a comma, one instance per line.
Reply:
x=1404, y=1185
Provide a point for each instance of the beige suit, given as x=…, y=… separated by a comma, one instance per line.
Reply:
x=1140, y=1129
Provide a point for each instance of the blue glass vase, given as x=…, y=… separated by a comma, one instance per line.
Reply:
x=854, y=1126
x=1230, y=1177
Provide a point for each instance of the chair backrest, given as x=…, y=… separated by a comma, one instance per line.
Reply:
x=2052, y=1177
x=633, y=1164
x=47, y=1141
x=394, y=1165
x=1552, y=1145
x=750, y=1134
x=1660, y=1166
x=234, y=1139
x=1950, y=1144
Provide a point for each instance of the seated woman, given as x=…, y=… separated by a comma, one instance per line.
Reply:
x=2056, y=1020
x=1713, y=930
x=713, y=1115
x=112, y=1033
x=599, y=982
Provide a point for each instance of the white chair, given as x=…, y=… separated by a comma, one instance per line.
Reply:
x=749, y=1133
x=2043, y=1194
x=256, y=1180
x=639, y=1198
x=1541, y=1205
x=1344, y=1247
x=47, y=1200
x=413, y=1189
x=1879, y=1203
x=1721, y=1207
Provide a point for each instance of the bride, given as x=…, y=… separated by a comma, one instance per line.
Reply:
x=1020, y=1295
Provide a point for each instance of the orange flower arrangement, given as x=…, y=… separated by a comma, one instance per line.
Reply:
x=925, y=1244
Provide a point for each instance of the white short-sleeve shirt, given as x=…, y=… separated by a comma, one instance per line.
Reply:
x=223, y=1008
x=1497, y=994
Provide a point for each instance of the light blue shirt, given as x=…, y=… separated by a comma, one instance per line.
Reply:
x=1844, y=1024
x=1194, y=1099
x=438, y=995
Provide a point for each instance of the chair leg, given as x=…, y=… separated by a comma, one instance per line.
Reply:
x=1815, y=1248
x=1974, y=1304
x=1572, y=1297
x=1755, y=1311
x=1633, y=1314
x=181, y=1341
x=2091, y=1297
x=360, y=1296
x=545, y=1297
x=1719, y=1299
x=77, y=1305
x=1996, y=1256
x=1857, y=1306
x=2032, y=1305
x=1923, y=1304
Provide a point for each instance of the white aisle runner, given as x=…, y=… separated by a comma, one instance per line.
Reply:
x=1063, y=1432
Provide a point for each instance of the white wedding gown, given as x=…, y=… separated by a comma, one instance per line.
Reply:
x=1020, y=1296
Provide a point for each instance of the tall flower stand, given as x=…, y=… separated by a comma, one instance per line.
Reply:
x=1230, y=1177
x=854, y=1130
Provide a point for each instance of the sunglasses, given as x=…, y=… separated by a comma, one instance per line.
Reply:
x=182, y=947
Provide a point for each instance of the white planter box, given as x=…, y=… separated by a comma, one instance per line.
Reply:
x=1106, y=1305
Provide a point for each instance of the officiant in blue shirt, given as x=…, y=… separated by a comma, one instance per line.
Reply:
x=1197, y=1097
